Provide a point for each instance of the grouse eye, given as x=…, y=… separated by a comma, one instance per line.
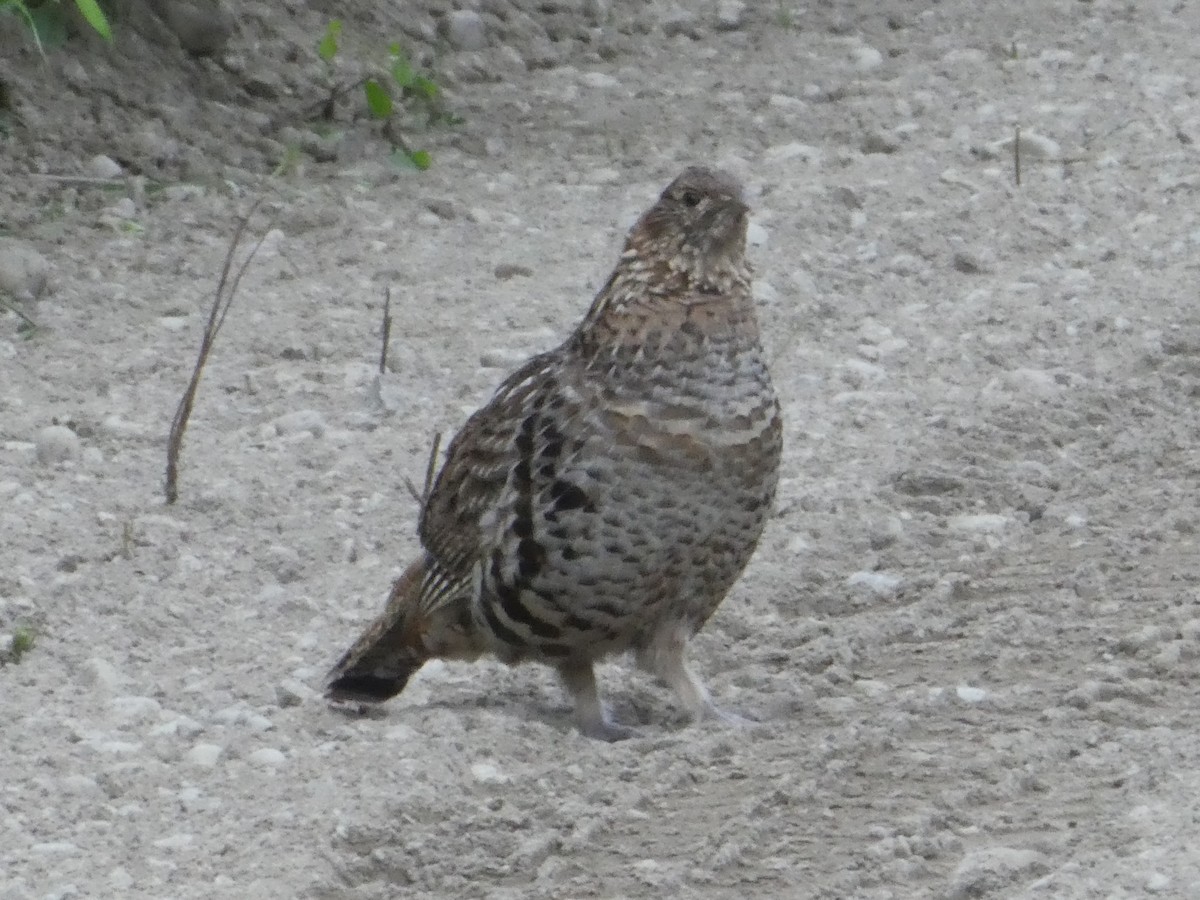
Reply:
x=691, y=198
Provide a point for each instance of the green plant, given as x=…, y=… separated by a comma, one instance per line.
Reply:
x=403, y=86
x=22, y=643
x=47, y=21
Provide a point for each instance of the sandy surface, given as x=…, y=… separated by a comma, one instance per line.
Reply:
x=971, y=631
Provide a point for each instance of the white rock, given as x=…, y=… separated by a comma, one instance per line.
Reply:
x=731, y=15
x=465, y=30
x=124, y=208
x=1033, y=145
x=502, y=358
x=983, y=523
x=970, y=694
x=601, y=80
x=872, y=332
x=794, y=150
x=258, y=723
x=205, y=755
x=101, y=166
x=299, y=422
x=55, y=444
x=180, y=726
x=866, y=58
x=291, y=692
x=881, y=584
x=177, y=841
x=24, y=272
x=757, y=235
x=267, y=757
x=859, y=373
x=488, y=773
x=120, y=879
x=1157, y=882
x=55, y=848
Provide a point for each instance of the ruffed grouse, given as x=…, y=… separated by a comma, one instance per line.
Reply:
x=613, y=489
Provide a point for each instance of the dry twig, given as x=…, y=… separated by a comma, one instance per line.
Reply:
x=387, y=329
x=223, y=299
x=1017, y=154
x=422, y=497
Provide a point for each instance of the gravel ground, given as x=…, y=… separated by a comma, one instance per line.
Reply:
x=972, y=629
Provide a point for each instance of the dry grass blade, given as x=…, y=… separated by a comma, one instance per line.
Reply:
x=222, y=300
x=387, y=329
x=1017, y=155
x=422, y=497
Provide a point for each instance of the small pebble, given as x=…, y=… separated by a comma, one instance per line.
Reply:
x=502, y=358
x=299, y=422
x=204, y=755
x=24, y=272
x=983, y=523
x=175, y=841
x=268, y=757
x=970, y=262
x=1032, y=145
x=970, y=694
x=101, y=166
x=1158, y=882
x=731, y=15
x=505, y=271
x=866, y=58
x=879, y=142
x=793, y=150
x=203, y=28
x=601, y=80
x=488, y=773
x=55, y=444
x=881, y=584
x=465, y=30
x=123, y=209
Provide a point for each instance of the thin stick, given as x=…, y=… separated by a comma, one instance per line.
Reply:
x=1017, y=154
x=387, y=329
x=78, y=179
x=222, y=300
x=431, y=466
x=430, y=473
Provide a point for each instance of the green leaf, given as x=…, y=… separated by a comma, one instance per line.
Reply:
x=378, y=100
x=18, y=8
x=95, y=17
x=425, y=87
x=402, y=71
x=49, y=25
x=328, y=47
x=417, y=159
